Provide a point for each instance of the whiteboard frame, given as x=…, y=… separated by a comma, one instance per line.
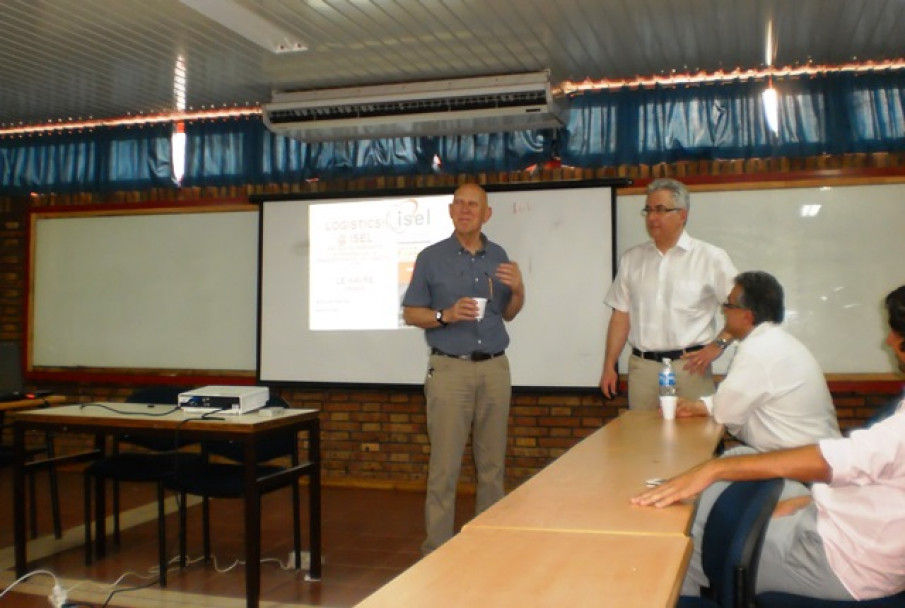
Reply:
x=43, y=369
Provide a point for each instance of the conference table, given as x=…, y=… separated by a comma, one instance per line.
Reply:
x=102, y=419
x=570, y=535
x=494, y=567
x=588, y=488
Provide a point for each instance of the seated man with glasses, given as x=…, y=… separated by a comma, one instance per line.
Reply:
x=775, y=394
x=666, y=301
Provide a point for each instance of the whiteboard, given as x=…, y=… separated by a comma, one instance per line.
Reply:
x=158, y=289
x=836, y=250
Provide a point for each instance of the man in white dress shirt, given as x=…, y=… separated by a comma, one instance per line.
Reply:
x=774, y=395
x=665, y=299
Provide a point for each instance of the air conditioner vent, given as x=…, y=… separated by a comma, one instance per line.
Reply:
x=449, y=107
x=415, y=106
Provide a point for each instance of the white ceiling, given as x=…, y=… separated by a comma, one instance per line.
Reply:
x=81, y=59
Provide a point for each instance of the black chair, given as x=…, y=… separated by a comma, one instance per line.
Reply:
x=733, y=536
x=7, y=458
x=224, y=480
x=883, y=412
x=159, y=459
x=776, y=599
x=12, y=388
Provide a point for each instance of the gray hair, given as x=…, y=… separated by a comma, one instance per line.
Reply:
x=678, y=189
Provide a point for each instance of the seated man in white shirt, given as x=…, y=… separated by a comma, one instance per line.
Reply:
x=845, y=539
x=775, y=394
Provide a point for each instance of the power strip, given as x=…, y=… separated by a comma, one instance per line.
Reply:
x=58, y=596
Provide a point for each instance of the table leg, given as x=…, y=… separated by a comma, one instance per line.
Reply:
x=100, y=505
x=314, y=498
x=19, y=499
x=252, y=527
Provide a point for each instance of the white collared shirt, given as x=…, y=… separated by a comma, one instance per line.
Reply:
x=861, y=512
x=672, y=299
x=774, y=395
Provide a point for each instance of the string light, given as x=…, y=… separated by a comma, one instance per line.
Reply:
x=737, y=75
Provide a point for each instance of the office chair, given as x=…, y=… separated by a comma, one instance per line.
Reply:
x=733, y=536
x=776, y=599
x=226, y=480
x=158, y=460
x=883, y=412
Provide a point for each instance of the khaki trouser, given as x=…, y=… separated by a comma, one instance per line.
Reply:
x=464, y=397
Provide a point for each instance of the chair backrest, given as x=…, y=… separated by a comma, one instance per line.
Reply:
x=733, y=535
x=277, y=446
x=157, y=394
x=10, y=367
x=883, y=412
x=153, y=394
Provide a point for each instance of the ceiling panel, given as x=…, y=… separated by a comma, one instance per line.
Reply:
x=70, y=59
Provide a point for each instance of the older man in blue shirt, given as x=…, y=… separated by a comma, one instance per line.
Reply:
x=468, y=386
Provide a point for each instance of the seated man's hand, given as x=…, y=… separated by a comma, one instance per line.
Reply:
x=687, y=408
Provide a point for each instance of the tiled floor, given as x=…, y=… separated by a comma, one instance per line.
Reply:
x=369, y=536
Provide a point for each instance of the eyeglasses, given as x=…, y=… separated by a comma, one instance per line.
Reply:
x=730, y=306
x=658, y=210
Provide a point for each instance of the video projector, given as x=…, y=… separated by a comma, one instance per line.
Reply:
x=224, y=399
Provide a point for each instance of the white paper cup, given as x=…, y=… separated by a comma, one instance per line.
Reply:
x=482, y=306
x=668, y=407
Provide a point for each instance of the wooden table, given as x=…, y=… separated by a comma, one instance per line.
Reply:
x=588, y=488
x=24, y=404
x=496, y=567
x=569, y=535
x=249, y=429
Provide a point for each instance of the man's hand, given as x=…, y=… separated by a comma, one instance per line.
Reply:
x=510, y=275
x=699, y=361
x=465, y=309
x=687, y=485
x=609, y=382
x=686, y=408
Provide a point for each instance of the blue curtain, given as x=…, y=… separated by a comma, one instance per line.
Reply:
x=829, y=114
x=367, y=157
x=494, y=152
x=222, y=152
x=832, y=114
x=232, y=152
x=874, y=108
x=119, y=158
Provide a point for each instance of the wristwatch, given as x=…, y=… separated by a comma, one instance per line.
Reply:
x=722, y=342
x=439, y=317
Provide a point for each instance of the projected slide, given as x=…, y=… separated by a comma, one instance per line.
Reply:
x=362, y=255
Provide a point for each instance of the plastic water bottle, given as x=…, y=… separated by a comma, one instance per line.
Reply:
x=667, y=379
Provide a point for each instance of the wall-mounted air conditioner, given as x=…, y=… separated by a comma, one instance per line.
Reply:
x=487, y=104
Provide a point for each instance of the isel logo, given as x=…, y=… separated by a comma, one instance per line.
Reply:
x=407, y=214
